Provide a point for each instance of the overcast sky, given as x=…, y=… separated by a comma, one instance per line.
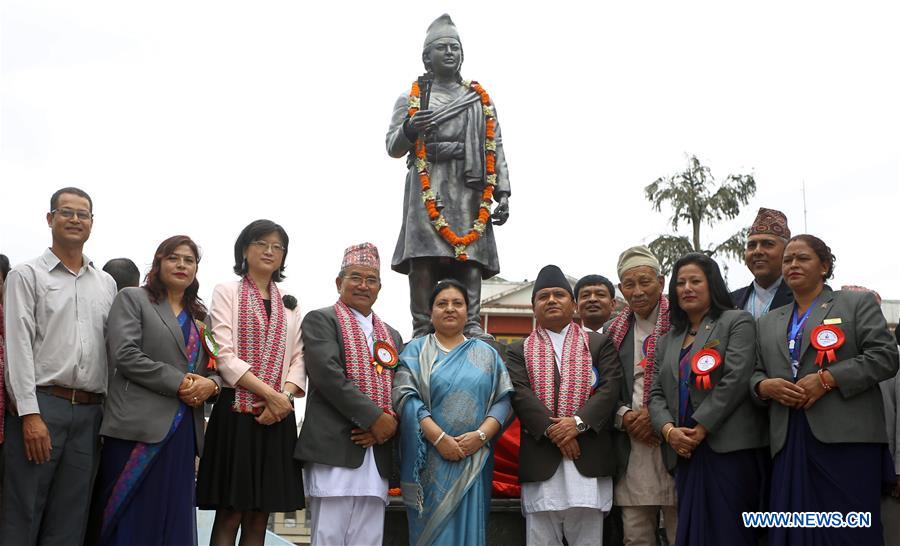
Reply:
x=198, y=117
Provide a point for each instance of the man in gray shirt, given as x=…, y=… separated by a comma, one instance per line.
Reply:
x=56, y=376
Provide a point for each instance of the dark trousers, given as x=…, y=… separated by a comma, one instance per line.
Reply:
x=48, y=503
x=424, y=273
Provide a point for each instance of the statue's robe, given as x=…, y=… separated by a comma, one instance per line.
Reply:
x=457, y=173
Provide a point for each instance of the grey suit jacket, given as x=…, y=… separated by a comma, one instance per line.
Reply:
x=620, y=438
x=854, y=412
x=147, y=362
x=731, y=418
x=334, y=404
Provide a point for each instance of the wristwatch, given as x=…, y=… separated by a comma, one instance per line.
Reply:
x=290, y=396
x=481, y=436
x=579, y=424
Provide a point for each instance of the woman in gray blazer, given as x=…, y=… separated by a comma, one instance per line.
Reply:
x=699, y=403
x=819, y=365
x=153, y=414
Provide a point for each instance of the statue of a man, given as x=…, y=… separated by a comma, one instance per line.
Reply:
x=447, y=129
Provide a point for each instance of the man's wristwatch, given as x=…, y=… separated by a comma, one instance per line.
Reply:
x=290, y=396
x=579, y=424
x=481, y=436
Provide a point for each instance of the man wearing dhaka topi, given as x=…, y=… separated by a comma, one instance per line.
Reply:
x=347, y=437
x=447, y=130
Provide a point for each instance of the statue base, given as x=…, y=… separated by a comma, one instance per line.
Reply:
x=505, y=524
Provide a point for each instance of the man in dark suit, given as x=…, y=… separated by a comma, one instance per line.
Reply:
x=346, y=441
x=566, y=383
x=765, y=247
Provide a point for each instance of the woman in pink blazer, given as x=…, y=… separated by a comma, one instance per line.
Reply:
x=247, y=469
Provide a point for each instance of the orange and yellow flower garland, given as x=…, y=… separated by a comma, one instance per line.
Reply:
x=459, y=244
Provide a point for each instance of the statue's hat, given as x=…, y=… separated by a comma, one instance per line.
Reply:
x=442, y=27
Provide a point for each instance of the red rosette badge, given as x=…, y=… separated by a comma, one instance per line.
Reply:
x=826, y=338
x=385, y=356
x=702, y=364
x=645, y=348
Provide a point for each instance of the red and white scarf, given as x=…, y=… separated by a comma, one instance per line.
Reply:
x=574, y=370
x=619, y=329
x=261, y=340
x=358, y=358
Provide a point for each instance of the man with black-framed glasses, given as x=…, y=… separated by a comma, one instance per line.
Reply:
x=56, y=309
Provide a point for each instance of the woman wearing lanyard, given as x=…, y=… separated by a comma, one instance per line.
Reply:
x=699, y=403
x=819, y=365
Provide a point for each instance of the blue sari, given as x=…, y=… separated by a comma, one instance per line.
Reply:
x=147, y=490
x=448, y=502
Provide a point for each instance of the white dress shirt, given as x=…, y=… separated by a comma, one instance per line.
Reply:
x=760, y=299
x=55, y=328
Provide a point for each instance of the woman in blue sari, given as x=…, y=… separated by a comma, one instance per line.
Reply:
x=452, y=395
x=153, y=414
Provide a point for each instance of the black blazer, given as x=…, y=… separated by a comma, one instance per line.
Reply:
x=538, y=456
x=334, y=405
x=783, y=296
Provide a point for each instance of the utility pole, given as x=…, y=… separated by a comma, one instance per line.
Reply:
x=805, y=229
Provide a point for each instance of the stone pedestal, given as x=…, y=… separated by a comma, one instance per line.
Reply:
x=506, y=526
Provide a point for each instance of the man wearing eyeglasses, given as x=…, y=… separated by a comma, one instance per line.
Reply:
x=56, y=308
x=346, y=441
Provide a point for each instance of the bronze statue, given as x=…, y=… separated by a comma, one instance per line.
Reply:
x=447, y=129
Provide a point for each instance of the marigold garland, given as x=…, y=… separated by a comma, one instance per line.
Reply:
x=459, y=244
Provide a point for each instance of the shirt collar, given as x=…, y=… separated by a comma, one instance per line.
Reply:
x=770, y=291
x=651, y=319
x=363, y=319
x=52, y=261
x=562, y=333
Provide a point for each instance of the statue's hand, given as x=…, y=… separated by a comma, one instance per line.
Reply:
x=421, y=121
x=501, y=213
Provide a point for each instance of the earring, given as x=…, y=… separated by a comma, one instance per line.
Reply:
x=244, y=265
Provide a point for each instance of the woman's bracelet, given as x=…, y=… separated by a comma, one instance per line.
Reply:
x=667, y=432
x=825, y=385
x=439, y=438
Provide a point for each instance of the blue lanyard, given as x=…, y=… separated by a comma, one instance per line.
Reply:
x=796, y=333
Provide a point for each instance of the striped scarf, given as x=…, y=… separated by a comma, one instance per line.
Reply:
x=261, y=341
x=575, y=369
x=619, y=329
x=358, y=359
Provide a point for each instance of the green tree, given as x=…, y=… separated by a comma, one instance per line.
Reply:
x=695, y=198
